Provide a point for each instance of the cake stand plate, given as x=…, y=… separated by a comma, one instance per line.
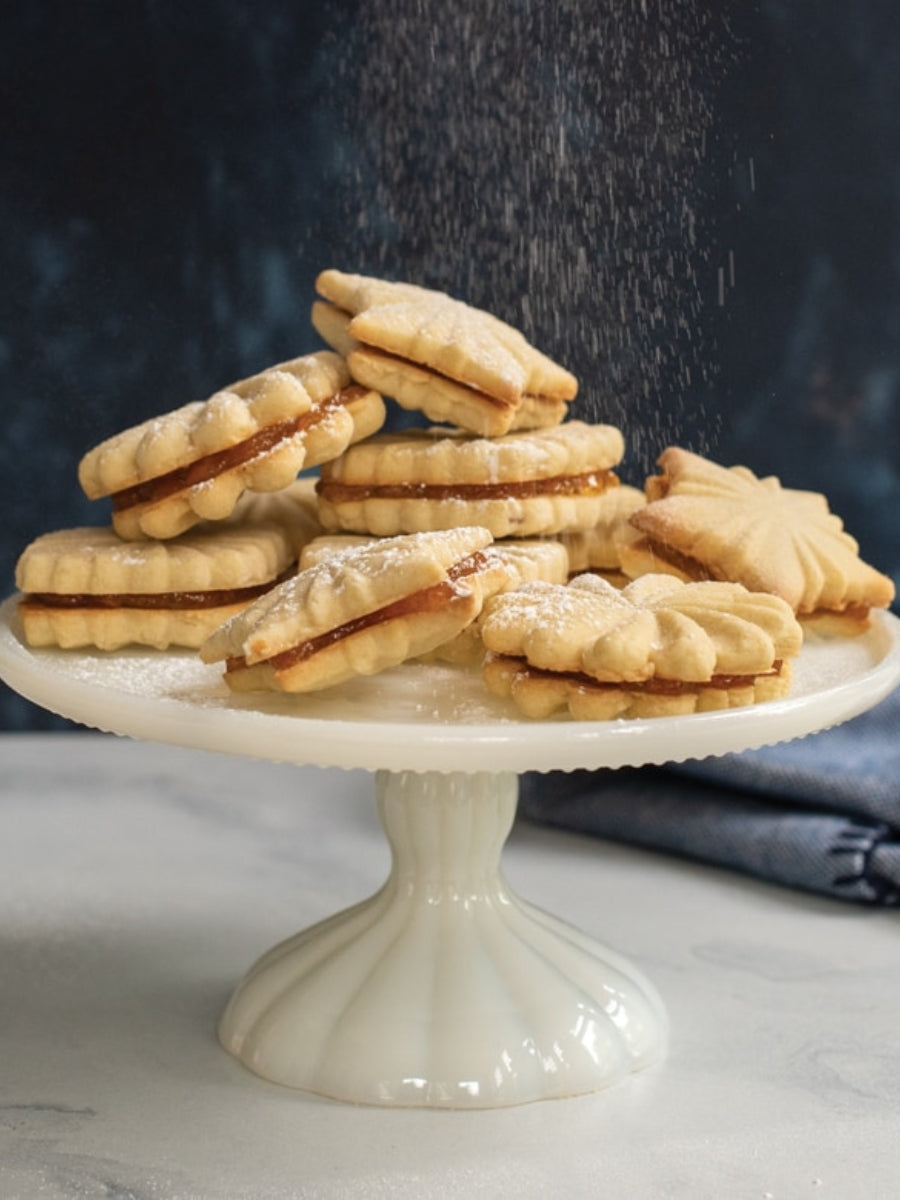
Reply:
x=444, y=989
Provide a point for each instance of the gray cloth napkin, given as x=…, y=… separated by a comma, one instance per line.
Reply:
x=821, y=813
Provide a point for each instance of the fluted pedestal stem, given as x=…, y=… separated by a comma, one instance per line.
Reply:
x=444, y=989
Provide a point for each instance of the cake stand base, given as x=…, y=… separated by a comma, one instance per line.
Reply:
x=443, y=989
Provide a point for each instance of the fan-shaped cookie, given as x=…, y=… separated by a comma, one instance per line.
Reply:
x=88, y=587
x=657, y=647
x=703, y=520
x=520, y=485
x=167, y=474
x=436, y=355
x=359, y=612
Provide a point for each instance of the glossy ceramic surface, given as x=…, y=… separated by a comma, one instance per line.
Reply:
x=443, y=989
x=427, y=718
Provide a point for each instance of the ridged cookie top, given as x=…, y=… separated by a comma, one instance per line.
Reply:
x=338, y=589
x=755, y=531
x=440, y=456
x=202, y=427
x=455, y=339
x=656, y=627
x=95, y=561
x=352, y=293
x=525, y=559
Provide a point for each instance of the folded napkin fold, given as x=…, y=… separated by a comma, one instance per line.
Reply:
x=821, y=813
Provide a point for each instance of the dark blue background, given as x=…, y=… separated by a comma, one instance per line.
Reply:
x=174, y=177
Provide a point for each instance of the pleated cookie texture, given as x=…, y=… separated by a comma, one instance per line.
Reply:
x=707, y=520
x=359, y=612
x=434, y=354
x=656, y=647
x=193, y=463
x=526, y=484
x=87, y=587
x=523, y=561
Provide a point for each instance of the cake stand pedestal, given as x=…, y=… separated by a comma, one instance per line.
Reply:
x=443, y=989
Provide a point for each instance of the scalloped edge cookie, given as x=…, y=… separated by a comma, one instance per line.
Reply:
x=193, y=464
x=440, y=356
x=658, y=647
x=359, y=612
x=704, y=520
x=87, y=587
x=536, y=482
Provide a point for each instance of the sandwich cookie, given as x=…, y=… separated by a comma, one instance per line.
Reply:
x=359, y=612
x=523, y=560
x=526, y=484
x=657, y=647
x=86, y=587
x=706, y=521
x=456, y=364
x=167, y=474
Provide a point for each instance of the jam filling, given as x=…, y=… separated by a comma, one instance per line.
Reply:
x=656, y=686
x=691, y=567
x=485, y=397
x=591, y=483
x=699, y=572
x=431, y=599
x=153, y=600
x=211, y=465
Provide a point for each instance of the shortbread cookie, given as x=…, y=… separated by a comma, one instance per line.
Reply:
x=524, y=561
x=87, y=587
x=433, y=354
x=597, y=549
x=167, y=474
x=525, y=484
x=657, y=647
x=703, y=520
x=359, y=612
x=351, y=294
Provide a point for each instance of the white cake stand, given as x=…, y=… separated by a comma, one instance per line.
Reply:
x=443, y=989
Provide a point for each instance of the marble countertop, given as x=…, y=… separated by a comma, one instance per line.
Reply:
x=138, y=882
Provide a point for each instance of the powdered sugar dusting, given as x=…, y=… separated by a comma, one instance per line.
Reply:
x=546, y=162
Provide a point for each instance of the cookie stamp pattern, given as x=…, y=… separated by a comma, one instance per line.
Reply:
x=524, y=560
x=703, y=520
x=87, y=587
x=433, y=354
x=194, y=463
x=520, y=485
x=359, y=612
x=657, y=647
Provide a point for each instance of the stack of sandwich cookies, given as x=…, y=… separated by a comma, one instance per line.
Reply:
x=456, y=364
x=359, y=612
x=533, y=483
x=491, y=541
x=658, y=647
x=87, y=587
x=706, y=521
x=194, y=463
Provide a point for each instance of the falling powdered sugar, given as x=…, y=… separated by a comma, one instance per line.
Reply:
x=546, y=162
